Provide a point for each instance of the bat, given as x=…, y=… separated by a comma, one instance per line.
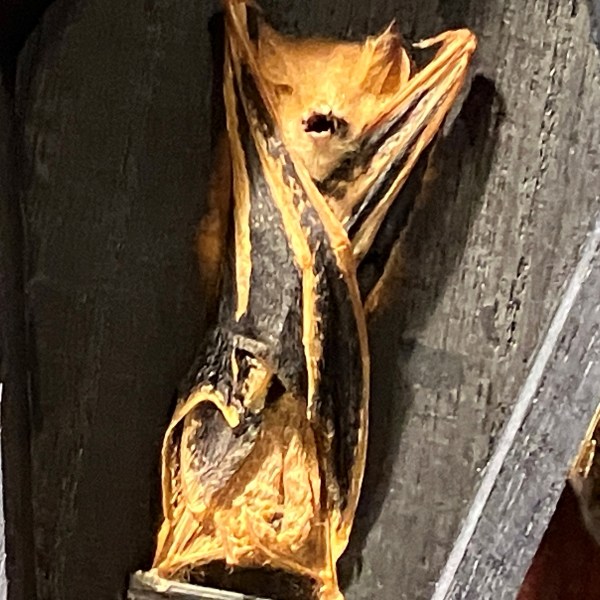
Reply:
x=263, y=459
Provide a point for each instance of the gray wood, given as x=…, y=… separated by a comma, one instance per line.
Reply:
x=146, y=586
x=525, y=476
x=114, y=143
x=115, y=98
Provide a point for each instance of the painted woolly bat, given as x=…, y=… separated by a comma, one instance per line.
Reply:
x=264, y=456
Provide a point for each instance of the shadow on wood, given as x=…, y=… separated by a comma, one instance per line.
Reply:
x=15, y=419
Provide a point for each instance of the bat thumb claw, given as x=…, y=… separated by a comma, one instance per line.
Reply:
x=464, y=37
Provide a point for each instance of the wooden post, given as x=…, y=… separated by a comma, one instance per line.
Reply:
x=113, y=147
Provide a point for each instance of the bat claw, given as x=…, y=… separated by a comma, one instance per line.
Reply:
x=465, y=38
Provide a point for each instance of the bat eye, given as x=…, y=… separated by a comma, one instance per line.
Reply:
x=321, y=124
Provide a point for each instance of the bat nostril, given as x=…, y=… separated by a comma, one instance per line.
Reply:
x=320, y=124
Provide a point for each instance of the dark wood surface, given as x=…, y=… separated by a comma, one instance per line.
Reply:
x=113, y=100
x=114, y=142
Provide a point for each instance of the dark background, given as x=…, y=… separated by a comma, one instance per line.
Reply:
x=105, y=138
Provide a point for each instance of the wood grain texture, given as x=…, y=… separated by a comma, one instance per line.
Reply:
x=113, y=98
x=525, y=476
x=114, y=105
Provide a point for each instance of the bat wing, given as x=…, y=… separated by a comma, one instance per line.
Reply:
x=337, y=219
x=367, y=179
x=213, y=230
x=331, y=342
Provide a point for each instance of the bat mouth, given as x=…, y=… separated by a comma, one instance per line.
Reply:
x=324, y=125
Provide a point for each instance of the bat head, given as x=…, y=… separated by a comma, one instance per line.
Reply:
x=327, y=92
x=351, y=116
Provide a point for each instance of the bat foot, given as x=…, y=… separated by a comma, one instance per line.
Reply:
x=331, y=594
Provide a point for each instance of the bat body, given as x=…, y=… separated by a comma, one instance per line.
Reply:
x=264, y=456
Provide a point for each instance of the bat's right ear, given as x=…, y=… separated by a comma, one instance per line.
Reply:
x=384, y=64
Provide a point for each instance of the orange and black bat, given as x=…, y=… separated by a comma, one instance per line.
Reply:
x=264, y=456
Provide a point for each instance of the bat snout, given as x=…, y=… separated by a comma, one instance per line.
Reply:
x=324, y=125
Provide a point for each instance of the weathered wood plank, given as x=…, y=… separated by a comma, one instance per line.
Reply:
x=114, y=98
x=114, y=166
x=525, y=475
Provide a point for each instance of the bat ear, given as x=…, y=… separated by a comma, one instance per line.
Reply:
x=273, y=50
x=384, y=65
x=269, y=40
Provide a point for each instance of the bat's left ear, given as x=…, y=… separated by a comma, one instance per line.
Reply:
x=269, y=41
x=275, y=55
x=384, y=63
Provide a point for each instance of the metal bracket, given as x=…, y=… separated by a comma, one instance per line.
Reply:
x=149, y=586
